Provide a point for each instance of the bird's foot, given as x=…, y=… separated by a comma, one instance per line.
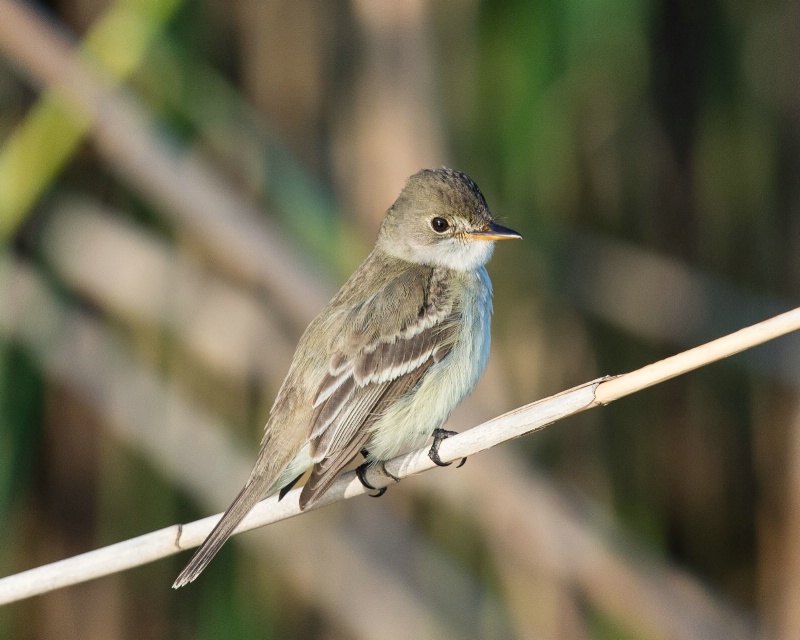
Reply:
x=433, y=454
x=361, y=472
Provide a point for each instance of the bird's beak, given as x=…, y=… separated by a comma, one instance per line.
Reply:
x=494, y=231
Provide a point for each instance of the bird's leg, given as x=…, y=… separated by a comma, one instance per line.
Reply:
x=361, y=472
x=286, y=489
x=433, y=454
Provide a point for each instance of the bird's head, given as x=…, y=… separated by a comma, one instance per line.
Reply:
x=441, y=218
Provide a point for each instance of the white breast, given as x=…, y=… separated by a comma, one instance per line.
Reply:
x=411, y=421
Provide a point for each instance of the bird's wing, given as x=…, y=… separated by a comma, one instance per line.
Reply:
x=388, y=344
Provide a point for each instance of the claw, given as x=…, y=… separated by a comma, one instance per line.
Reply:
x=385, y=472
x=361, y=472
x=433, y=454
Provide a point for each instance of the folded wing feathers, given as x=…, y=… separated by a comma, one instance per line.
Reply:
x=368, y=370
x=326, y=470
x=338, y=426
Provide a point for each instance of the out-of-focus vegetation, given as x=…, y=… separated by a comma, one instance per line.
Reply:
x=174, y=211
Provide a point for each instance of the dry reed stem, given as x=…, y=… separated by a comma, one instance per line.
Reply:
x=513, y=424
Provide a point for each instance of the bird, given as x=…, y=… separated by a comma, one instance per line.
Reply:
x=379, y=370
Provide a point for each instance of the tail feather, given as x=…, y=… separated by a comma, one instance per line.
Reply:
x=248, y=497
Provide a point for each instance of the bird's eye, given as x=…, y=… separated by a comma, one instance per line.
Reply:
x=440, y=225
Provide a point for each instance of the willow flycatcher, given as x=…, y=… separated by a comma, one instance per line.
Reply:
x=386, y=362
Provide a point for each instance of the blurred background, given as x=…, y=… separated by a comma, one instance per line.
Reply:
x=183, y=185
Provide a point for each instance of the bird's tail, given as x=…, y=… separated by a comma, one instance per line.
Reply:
x=252, y=492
